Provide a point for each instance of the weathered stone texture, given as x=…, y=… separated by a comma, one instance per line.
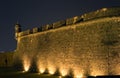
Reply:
x=89, y=44
x=92, y=46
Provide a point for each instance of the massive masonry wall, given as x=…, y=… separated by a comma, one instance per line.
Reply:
x=6, y=59
x=90, y=47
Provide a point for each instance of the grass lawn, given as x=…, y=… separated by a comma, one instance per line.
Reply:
x=12, y=73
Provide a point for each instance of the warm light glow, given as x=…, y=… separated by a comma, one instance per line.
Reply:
x=60, y=76
x=26, y=64
x=117, y=69
x=97, y=73
x=41, y=67
x=104, y=9
x=78, y=76
x=64, y=72
x=51, y=70
x=78, y=73
x=41, y=70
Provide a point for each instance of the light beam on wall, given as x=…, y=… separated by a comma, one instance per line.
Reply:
x=26, y=63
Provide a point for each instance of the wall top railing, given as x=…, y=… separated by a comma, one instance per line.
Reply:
x=104, y=12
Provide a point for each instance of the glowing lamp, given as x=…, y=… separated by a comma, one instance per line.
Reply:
x=26, y=64
x=64, y=72
x=41, y=70
x=51, y=70
x=26, y=67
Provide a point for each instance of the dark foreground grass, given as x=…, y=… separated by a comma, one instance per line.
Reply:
x=12, y=73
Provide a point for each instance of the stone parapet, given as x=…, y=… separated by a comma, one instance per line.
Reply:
x=102, y=13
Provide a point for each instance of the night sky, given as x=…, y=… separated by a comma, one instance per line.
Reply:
x=36, y=13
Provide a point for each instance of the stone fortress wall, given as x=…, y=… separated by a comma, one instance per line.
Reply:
x=87, y=45
x=6, y=59
x=105, y=12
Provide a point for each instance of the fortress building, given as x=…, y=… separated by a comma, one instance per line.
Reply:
x=87, y=45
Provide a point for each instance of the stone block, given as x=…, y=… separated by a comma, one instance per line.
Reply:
x=23, y=33
x=44, y=28
x=50, y=26
x=69, y=21
x=74, y=20
x=47, y=27
x=59, y=24
x=35, y=30
x=77, y=19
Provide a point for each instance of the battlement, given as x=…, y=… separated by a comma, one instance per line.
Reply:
x=89, y=43
x=105, y=12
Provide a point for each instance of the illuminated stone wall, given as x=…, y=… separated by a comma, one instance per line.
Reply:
x=90, y=47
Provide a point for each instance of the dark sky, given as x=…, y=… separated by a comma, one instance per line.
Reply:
x=35, y=13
